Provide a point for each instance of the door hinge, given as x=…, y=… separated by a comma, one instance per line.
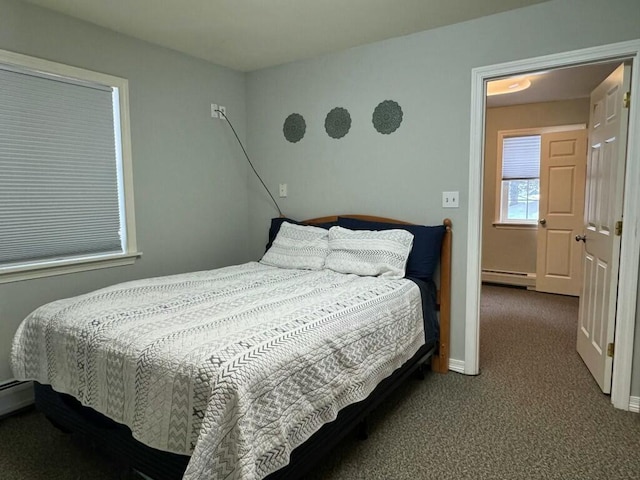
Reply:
x=626, y=100
x=618, y=230
x=610, y=350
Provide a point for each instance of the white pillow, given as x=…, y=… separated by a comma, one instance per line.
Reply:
x=301, y=247
x=369, y=252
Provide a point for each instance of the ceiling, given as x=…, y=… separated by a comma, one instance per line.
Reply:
x=558, y=84
x=248, y=35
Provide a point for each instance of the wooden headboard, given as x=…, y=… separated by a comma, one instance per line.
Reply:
x=440, y=361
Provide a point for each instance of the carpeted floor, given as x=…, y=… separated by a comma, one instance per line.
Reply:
x=534, y=412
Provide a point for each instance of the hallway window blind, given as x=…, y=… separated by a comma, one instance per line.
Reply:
x=520, y=179
x=521, y=158
x=62, y=196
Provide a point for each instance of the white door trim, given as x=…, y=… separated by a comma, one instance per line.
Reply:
x=630, y=246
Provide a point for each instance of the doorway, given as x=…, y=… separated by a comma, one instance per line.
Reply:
x=536, y=150
x=629, y=257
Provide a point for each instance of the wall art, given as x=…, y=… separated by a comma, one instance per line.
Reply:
x=294, y=127
x=387, y=117
x=337, y=123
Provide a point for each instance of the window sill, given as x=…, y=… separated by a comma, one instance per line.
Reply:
x=515, y=226
x=18, y=274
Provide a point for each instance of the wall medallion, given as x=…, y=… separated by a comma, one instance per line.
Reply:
x=337, y=123
x=294, y=127
x=387, y=117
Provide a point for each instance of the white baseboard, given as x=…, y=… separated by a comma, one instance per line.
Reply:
x=634, y=404
x=14, y=396
x=521, y=279
x=456, y=365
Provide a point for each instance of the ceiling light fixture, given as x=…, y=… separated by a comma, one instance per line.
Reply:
x=507, y=85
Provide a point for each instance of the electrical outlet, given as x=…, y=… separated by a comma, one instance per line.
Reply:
x=214, y=108
x=283, y=190
x=223, y=110
x=450, y=199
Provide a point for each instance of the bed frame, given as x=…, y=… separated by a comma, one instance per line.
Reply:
x=115, y=440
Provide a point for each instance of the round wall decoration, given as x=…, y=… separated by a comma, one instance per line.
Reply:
x=294, y=127
x=387, y=117
x=337, y=123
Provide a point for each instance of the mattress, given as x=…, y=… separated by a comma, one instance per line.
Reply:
x=235, y=367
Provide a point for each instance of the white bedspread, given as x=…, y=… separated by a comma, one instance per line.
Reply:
x=235, y=366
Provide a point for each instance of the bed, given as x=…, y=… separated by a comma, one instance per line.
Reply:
x=250, y=371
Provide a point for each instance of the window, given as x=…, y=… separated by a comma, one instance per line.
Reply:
x=66, y=200
x=520, y=188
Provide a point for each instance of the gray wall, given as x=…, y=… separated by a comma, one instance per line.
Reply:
x=403, y=174
x=190, y=181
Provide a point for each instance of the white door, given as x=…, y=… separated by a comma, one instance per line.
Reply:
x=603, y=208
x=563, y=166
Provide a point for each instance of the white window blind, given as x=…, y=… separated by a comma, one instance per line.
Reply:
x=60, y=175
x=521, y=157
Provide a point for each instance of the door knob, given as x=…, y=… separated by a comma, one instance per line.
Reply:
x=542, y=221
x=581, y=238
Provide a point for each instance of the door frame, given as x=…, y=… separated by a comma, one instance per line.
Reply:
x=630, y=243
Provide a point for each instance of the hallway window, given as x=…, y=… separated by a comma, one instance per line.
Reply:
x=520, y=189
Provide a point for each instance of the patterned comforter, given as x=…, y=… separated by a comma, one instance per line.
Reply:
x=235, y=366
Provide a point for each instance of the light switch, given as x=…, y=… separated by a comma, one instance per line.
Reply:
x=450, y=199
x=283, y=190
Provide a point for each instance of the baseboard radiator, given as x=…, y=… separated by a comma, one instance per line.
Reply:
x=15, y=395
x=504, y=277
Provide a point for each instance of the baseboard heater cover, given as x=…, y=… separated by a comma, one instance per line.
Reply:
x=506, y=277
x=15, y=395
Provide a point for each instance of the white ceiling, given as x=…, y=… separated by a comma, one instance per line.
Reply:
x=559, y=84
x=251, y=34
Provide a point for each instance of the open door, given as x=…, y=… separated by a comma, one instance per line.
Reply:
x=603, y=223
x=563, y=165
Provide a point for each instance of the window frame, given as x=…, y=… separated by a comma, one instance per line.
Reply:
x=89, y=262
x=521, y=132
